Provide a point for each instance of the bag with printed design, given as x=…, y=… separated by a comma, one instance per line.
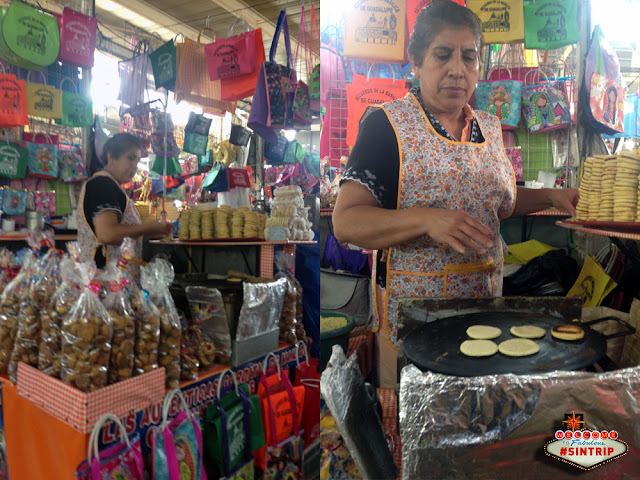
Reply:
x=294, y=153
x=77, y=38
x=122, y=460
x=545, y=106
x=14, y=201
x=238, y=178
x=233, y=430
x=71, y=166
x=232, y=56
x=275, y=151
x=271, y=99
x=604, y=86
x=414, y=7
x=43, y=100
x=501, y=98
x=45, y=202
x=550, y=24
x=314, y=78
x=502, y=20
x=163, y=65
x=216, y=179
x=376, y=30
x=308, y=376
x=42, y=159
x=13, y=160
x=13, y=101
x=177, y=447
x=243, y=86
x=77, y=110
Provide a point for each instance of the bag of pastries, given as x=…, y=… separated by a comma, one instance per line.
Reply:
x=147, y=332
x=10, y=307
x=86, y=336
x=156, y=277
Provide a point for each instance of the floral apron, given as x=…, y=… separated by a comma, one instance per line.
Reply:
x=87, y=240
x=476, y=178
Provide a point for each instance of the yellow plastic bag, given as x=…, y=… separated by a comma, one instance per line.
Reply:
x=523, y=253
x=502, y=20
x=43, y=101
x=592, y=285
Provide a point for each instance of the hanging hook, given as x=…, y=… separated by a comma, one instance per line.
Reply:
x=206, y=24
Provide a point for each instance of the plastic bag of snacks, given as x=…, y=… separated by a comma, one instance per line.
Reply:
x=12, y=297
x=291, y=318
x=156, y=278
x=66, y=295
x=123, y=322
x=44, y=280
x=86, y=336
x=7, y=266
x=147, y=332
x=209, y=315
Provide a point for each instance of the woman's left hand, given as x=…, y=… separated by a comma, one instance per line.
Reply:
x=565, y=199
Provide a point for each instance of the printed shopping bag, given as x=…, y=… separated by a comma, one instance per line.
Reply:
x=274, y=151
x=43, y=100
x=45, y=202
x=198, y=124
x=294, y=153
x=284, y=461
x=216, y=179
x=194, y=143
x=232, y=56
x=193, y=84
x=13, y=102
x=14, y=201
x=177, y=447
x=77, y=110
x=71, y=166
x=13, y=160
x=42, y=159
x=603, y=80
x=239, y=135
x=77, y=38
x=301, y=106
x=163, y=65
x=593, y=284
x=314, y=78
x=376, y=30
x=501, y=98
x=550, y=24
x=414, y=7
x=243, y=86
x=361, y=95
x=238, y=178
x=133, y=75
x=123, y=460
x=502, y=20
x=31, y=37
x=308, y=376
x=269, y=106
x=545, y=106
x=515, y=155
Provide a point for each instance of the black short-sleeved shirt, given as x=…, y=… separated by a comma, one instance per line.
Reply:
x=375, y=160
x=103, y=194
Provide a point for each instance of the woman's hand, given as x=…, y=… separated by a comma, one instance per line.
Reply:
x=565, y=199
x=157, y=228
x=458, y=229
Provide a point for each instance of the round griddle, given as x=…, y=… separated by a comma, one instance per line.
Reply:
x=435, y=346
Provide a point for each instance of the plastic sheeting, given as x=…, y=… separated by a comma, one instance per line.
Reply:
x=495, y=427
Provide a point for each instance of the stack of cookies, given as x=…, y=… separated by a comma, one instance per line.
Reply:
x=195, y=232
x=206, y=224
x=221, y=222
x=625, y=201
x=183, y=228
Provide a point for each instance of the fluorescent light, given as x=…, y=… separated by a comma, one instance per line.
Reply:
x=126, y=14
x=142, y=22
x=107, y=5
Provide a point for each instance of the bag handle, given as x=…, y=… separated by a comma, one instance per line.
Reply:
x=221, y=377
x=499, y=67
x=207, y=29
x=537, y=70
x=281, y=26
x=596, y=39
x=306, y=353
x=180, y=34
x=237, y=21
x=142, y=47
x=166, y=406
x=95, y=435
x=265, y=364
x=314, y=33
x=68, y=79
x=371, y=65
x=44, y=78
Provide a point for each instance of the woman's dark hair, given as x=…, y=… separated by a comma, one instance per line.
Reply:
x=433, y=18
x=119, y=144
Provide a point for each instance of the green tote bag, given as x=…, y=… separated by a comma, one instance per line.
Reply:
x=77, y=110
x=550, y=24
x=13, y=160
x=163, y=64
x=31, y=35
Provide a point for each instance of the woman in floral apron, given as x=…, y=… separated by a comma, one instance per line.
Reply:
x=428, y=181
x=106, y=215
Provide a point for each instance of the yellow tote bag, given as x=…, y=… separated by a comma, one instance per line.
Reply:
x=502, y=20
x=592, y=285
x=376, y=30
x=43, y=100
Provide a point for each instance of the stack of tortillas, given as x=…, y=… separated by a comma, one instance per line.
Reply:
x=195, y=232
x=221, y=222
x=590, y=188
x=252, y=225
x=206, y=224
x=237, y=223
x=183, y=228
x=605, y=211
x=625, y=201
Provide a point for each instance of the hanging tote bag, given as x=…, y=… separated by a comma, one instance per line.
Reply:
x=77, y=110
x=243, y=86
x=122, y=460
x=275, y=151
x=414, y=7
x=31, y=35
x=269, y=106
x=604, y=86
x=502, y=20
x=42, y=155
x=544, y=106
x=550, y=24
x=314, y=79
x=308, y=376
x=376, y=30
x=14, y=201
x=133, y=75
x=163, y=65
x=232, y=56
x=177, y=447
x=71, y=163
x=13, y=101
x=193, y=84
x=77, y=38
x=301, y=106
x=501, y=98
x=13, y=160
x=43, y=100
x=216, y=179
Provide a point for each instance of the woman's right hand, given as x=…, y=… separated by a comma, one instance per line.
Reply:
x=459, y=230
x=158, y=228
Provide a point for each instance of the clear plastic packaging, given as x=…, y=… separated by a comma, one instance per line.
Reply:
x=287, y=322
x=123, y=322
x=147, y=332
x=86, y=336
x=67, y=293
x=208, y=315
x=10, y=307
x=157, y=277
x=7, y=263
x=42, y=287
x=261, y=308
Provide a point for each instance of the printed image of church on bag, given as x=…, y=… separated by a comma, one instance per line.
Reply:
x=553, y=31
x=378, y=31
x=499, y=22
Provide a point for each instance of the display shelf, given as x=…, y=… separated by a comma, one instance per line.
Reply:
x=239, y=242
x=599, y=231
x=550, y=212
x=20, y=237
